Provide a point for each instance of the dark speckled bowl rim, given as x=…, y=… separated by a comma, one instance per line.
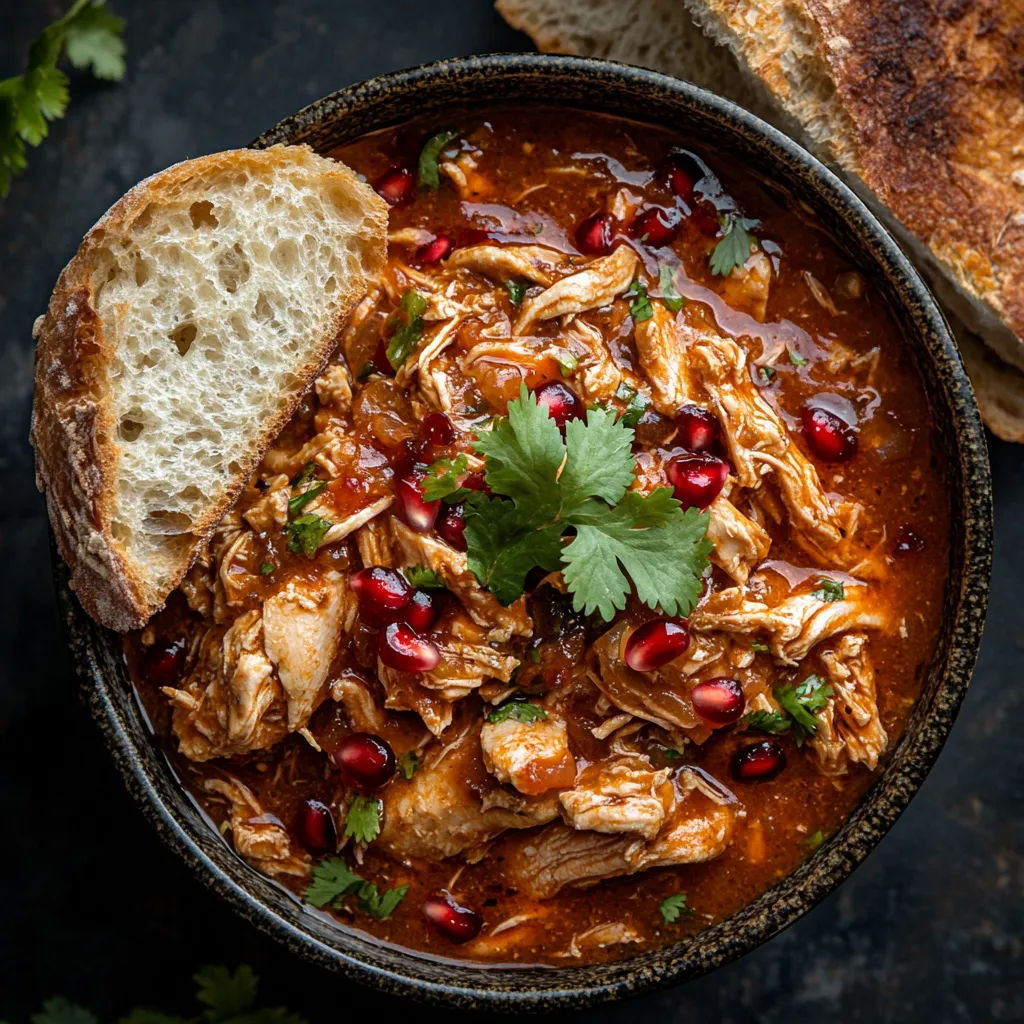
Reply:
x=646, y=96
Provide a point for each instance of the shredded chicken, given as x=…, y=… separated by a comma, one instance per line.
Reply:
x=746, y=288
x=662, y=343
x=502, y=263
x=532, y=756
x=739, y=542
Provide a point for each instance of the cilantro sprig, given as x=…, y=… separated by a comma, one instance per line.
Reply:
x=801, y=703
x=673, y=907
x=333, y=880
x=829, y=590
x=519, y=711
x=90, y=36
x=442, y=479
x=543, y=486
x=362, y=821
x=667, y=288
x=733, y=250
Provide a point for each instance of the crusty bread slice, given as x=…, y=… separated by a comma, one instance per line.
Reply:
x=177, y=344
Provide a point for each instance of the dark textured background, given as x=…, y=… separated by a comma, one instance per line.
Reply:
x=930, y=928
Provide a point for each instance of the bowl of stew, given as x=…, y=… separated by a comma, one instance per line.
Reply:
x=617, y=584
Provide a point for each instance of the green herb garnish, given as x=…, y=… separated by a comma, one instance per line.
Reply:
x=636, y=404
x=516, y=291
x=815, y=839
x=795, y=358
x=667, y=288
x=518, y=711
x=305, y=534
x=673, y=907
x=759, y=648
x=567, y=362
x=543, y=485
x=423, y=578
x=300, y=501
x=801, y=703
x=407, y=764
x=407, y=324
x=90, y=36
x=733, y=250
x=362, y=822
x=366, y=371
x=304, y=475
x=427, y=175
x=766, y=373
x=333, y=880
x=829, y=590
x=639, y=304
x=266, y=568
x=775, y=723
x=442, y=478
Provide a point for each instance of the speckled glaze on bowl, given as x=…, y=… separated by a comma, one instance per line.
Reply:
x=654, y=98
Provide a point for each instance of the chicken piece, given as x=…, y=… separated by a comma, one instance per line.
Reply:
x=339, y=531
x=850, y=724
x=302, y=626
x=502, y=263
x=404, y=692
x=739, y=542
x=355, y=696
x=746, y=288
x=624, y=795
x=258, y=837
x=270, y=511
x=451, y=565
x=374, y=542
x=439, y=813
x=532, y=756
x=608, y=933
x=697, y=829
x=662, y=343
x=234, y=580
x=598, y=373
x=472, y=662
x=795, y=624
x=598, y=285
x=435, y=342
x=334, y=389
x=759, y=443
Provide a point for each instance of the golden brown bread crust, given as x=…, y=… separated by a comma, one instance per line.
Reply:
x=73, y=430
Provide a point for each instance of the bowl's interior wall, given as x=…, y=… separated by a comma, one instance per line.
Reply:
x=642, y=96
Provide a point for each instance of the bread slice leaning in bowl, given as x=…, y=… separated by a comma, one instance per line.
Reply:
x=177, y=344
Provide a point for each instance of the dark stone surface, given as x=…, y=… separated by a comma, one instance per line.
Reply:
x=928, y=929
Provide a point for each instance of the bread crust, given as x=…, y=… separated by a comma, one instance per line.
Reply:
x=73, y=430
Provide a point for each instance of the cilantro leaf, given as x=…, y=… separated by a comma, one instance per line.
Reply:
x=662, y=551
x=636, y=404
x=759, y=648
x=300, y=501
x=801, y=703
x=423, y=578
x=305, y=534
x=304, y=475
x=142, y=1015
x=672, y=907
x=442, y=479
x=795, y=358
x=599, y=461
x=667, y=288
x=775, y=723
x=518, y=711
x=733, y=250
x=829, y=590
x=380, y=905
x=516, y=291
x=766, y=373
x=332, y=879
x=427, y=175
x=815, y=839
x=227, y=995
x=639, y=304
x=407, y=764
x=266, y=568
x=93, y=40
x=59, y=1010
x=362, y=822
x=567, y=362
x=406, y=323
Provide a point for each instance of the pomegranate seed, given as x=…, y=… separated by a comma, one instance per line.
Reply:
x=413, y=508
x=683, y=174
x=365, y=761
x=381, y=591
x=476, y=482
x=380, y=360
x=394, y=186
x=164, y=662
x=758, y=762
x=451, y=527
x=697, y=479
x=437, y=430
x=656, y=643
x=433, y=252
x=315, y=827
x=594, y=235
x=699, y=429
x=656, y=227
x=907, y=541
x=402, y=648
x=718, y=701
x=562, y=402
x=829, y=437
x=422, y=610
x=456, y=923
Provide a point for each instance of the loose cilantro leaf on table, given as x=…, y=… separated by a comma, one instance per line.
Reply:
x=305, y=534
x=427, y=173
x=544, y=485
x=518, y=711
x=639, y=304
x=423, y=578
x=829, y=590
x=406, y=323
x=226, y=994
x=667, y=288
x=801, y=703
x=90, y=36
x=59, y=1010
x=442, y=479
x=775, y=723
x=673, y=907
x=733, y=250
x=362, y=822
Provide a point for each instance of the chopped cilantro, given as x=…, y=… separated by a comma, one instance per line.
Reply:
x=766, y=373
x=518, y=711
x=667, y=288
x=406, y=323
x=366, y=371
x=639, y=304
x=670, y=754
x=636, y=404
x=305, y=534
x=442, y=477
x=775, y=723
x=815, y=839
x=673, y=907
x=516, y=291
x=266, y=568
x=536, y=229
x=733, y=250
x=534, y=655
x=567, y=362
x=795, y=358
x=758, y=647
x=333, y=880
x=304, y=475
x=801, y=702
x=427, y=172
x=408, y=763
x=423, y=578
x=300, y=501
x=362, y=822
x=544, y=485
x=380, y=905
x=829, y=590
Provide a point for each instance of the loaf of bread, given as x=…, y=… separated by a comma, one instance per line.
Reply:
x=178, y=342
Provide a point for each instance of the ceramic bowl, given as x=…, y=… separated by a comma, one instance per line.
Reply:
x=645, y=96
